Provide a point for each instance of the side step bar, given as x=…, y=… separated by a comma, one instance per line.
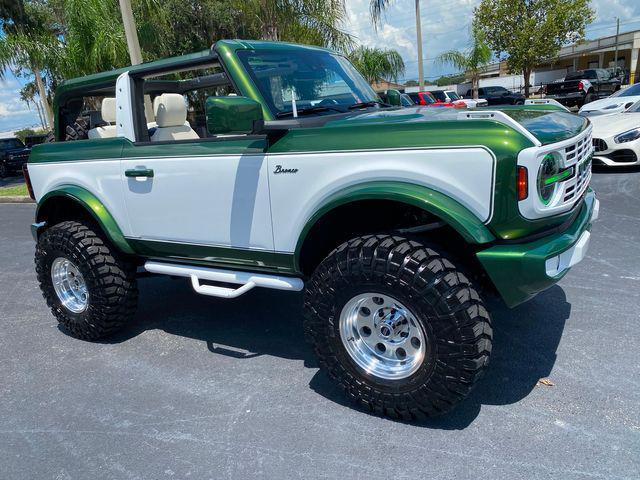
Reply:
x=246, y=280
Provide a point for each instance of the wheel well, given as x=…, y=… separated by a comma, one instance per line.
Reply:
x=60, y=209
x=383, y=216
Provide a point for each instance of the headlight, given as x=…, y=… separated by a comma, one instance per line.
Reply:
x=548, y=178
x=629, y=136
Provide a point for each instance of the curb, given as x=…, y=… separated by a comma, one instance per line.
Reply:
x=16, y=199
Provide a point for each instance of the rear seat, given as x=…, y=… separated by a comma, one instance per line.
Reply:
x=108, y=113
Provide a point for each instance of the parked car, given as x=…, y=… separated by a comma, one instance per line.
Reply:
x=13, y=155
x=394, y=223
x=616, y=103
x=582, y=87
x=427, y=99
x=498, y=96
x=406, y=101
x=616, y=138
x=449, y=96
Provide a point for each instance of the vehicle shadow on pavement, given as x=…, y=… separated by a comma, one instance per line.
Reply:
x=605, y=169
x=270, y=323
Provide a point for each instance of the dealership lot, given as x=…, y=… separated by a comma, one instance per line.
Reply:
x=200, y=388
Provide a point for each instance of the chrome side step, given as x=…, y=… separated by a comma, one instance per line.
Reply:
x=246, y=280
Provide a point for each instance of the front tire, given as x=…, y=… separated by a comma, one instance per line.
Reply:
x=397, y=326
x=90, y=289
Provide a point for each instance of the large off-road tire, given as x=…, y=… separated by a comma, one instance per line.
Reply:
x=90, y=289
x=388, y=291
x=78, y=131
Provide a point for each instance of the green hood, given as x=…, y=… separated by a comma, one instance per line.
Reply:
x=548, y=125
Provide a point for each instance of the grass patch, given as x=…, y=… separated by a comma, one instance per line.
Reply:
x=14, y=191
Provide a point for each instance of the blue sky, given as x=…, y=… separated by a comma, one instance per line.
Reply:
x=445, y=26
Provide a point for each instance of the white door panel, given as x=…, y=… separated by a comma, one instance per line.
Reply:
x=100, y=177
x=219, y=200
x=463, y=174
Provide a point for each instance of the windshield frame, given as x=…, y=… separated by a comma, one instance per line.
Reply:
x=5, y=141
x=357, y=81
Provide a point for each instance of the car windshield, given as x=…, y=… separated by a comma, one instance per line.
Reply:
x=11, y=143
x=313, y=81
x=632, y=91
x=453, y=95
x=439, y=95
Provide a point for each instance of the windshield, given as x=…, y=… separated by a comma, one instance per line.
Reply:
x=11, y=143
x=632, y=91
x=453, y=95
x=297, y=80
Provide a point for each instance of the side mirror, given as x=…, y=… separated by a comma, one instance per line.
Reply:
x=233, y=114
x=393, y=98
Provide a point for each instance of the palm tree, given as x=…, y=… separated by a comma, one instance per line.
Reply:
x=377, y=63
x=471, y=61
x=27, y=43
x=28, y=96
x=304, y=21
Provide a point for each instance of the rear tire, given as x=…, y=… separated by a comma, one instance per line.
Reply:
x=588, y=98
x=95, y=291
x=436, y=299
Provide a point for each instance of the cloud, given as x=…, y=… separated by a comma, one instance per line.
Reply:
x=445, y=26
x=14, y=113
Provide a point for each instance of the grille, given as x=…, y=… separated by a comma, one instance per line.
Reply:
x=579, y=154
x=600, y=145
x=623, y=156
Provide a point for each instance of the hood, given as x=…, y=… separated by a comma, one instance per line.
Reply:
x=548, y=125
x=621, y=103
x=611, y=125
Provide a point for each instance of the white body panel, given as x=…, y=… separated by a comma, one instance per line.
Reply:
x=467, y=175
x=211, y=200
x=100, y=177
x=608, y=106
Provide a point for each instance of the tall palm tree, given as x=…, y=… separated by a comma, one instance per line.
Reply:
x=471, y=61
x=376, y=63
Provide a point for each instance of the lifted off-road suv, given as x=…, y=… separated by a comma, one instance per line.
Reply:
x=273, y=165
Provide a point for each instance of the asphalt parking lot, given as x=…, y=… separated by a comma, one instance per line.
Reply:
x=202, y=388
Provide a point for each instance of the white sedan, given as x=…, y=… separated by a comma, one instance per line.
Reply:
x=616, y=138
x=616, y=103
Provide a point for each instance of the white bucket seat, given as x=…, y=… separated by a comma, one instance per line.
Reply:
x=171, y=118
x=108, y=113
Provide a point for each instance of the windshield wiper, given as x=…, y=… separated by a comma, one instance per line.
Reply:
x=372, y=103
x=305, y=111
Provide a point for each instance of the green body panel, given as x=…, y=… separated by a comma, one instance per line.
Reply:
x=94, y=206
x=518, y=270
x=436, y=203
x=97, y=149
x=259, y=260
x=232, y=114
x=210, y=146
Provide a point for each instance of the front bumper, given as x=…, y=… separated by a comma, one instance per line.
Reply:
x=520, y=271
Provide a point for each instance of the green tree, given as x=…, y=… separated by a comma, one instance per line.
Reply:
x=411, y=83
x=530, y=32
x=27, y=42
x=377, y=63
x=471, y=61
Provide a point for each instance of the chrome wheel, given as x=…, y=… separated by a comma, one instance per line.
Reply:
x=382, y=336
x=69, y=285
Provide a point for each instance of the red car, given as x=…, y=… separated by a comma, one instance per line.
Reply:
x=426, y=98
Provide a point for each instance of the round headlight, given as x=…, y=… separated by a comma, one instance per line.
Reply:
x=546, y=184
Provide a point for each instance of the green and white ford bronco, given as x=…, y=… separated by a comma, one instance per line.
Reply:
x=258, y=164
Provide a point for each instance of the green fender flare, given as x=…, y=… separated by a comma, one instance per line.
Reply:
x=92, y=205
x=457, y=216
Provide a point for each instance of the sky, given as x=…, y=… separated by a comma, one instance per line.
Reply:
x=445, y=26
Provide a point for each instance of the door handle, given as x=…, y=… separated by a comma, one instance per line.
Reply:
x=139, y=172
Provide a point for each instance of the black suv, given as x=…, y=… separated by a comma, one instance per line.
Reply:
x=13, y=154
x=498, y=96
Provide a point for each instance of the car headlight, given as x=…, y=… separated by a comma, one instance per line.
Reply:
x=548, y=176
x=629, y=136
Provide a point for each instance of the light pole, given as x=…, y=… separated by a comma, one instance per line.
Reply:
x=419, y=35
x=130, y=32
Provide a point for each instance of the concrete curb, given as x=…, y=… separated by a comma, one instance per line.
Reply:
x=16, y=199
